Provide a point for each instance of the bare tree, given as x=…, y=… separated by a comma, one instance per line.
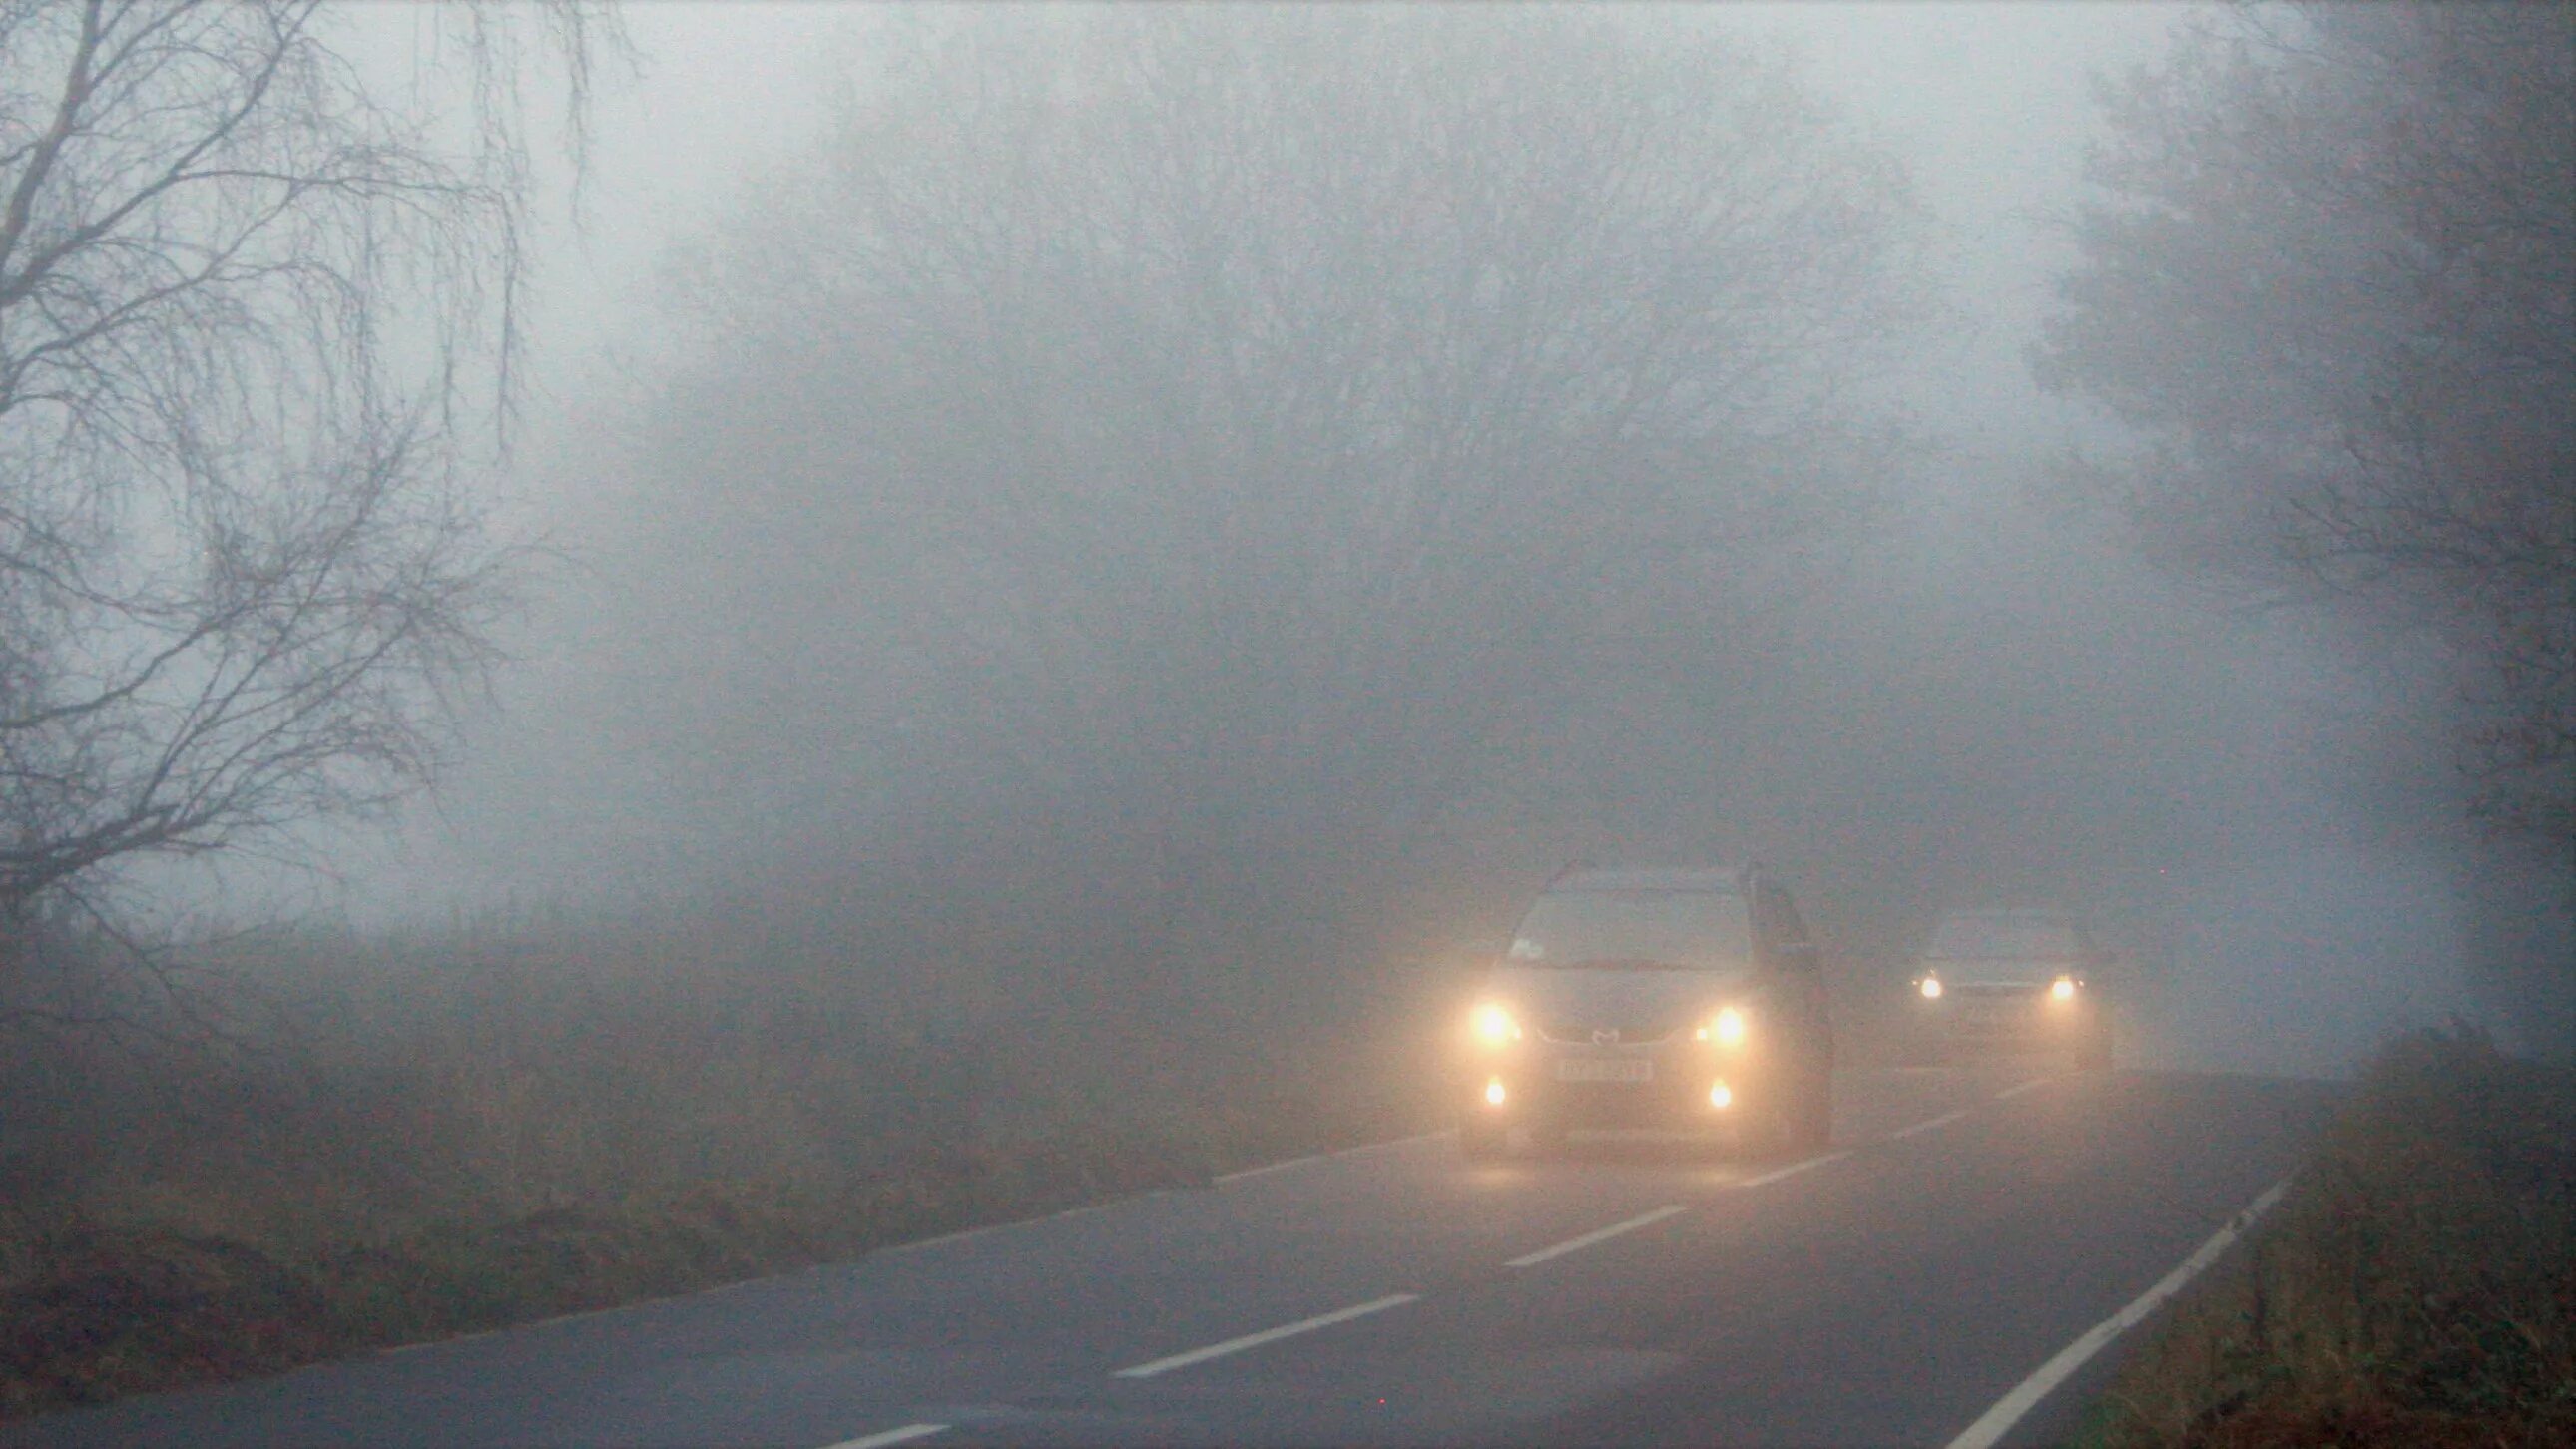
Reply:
x=1232, y=426
x=2332, y=278
x=256, y=325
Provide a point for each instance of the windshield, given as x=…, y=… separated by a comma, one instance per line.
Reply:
x=2003, y=938
x=1682, y=930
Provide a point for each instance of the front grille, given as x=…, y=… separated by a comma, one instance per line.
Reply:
x=1569, y=1033
x=1994, y=1010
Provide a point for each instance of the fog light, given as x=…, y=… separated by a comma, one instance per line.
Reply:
x=1721, y=1095
x=1931, y=988
x=1494, y=1092
x=2063, y=989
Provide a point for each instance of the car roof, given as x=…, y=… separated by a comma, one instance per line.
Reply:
x=1714, y=879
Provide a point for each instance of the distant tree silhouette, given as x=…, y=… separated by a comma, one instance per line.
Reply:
x=2331, y=277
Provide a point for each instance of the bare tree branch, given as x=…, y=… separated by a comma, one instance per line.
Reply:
x=241, y=571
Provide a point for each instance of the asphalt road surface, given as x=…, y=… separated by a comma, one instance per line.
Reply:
x=1948, y=1255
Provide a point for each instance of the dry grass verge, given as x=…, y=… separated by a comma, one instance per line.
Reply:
x=97, y=1312
x=117, y=1311
x=469, y=1133
x=2417, y=1288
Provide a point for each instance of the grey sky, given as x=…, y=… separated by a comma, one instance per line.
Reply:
x=1989, y=106
x=1987, y=103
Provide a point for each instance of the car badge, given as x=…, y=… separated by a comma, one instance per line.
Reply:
x=1606, y=1036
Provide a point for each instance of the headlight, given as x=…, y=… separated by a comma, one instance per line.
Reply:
x=1931, y=988
x=1494, y=1026
x=2063, y=989
x=1726, y=1028
x=1721, y=1096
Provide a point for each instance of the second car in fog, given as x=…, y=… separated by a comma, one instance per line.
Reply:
x=2021, y=979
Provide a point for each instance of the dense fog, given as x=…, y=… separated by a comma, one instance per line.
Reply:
x=1220, y=502
x=1045, y=681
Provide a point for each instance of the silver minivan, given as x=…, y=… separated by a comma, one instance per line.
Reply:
x=1671, y=998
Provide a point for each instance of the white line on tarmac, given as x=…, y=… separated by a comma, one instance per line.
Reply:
x=1999, y=1420
x=444, y=1342
x=1944, y=1120
x=1793, y=1169
x=1271, y=1167
x=1267, y=1335
x=1098, y=1207
x=1366, y=1148
x=1313, y=1157
x=977, y=1232
x=2024, y=1087
x=1571, y=1245
x=904, y=1435
x=956, y=1237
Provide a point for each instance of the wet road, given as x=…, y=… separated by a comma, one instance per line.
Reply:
x=1965, y=1227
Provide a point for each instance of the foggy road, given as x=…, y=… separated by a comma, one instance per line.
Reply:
x=1965, y=1226
x=644, y=643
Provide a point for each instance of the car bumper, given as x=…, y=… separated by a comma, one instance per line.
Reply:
x=1673, y=1085
x=2005, y=1023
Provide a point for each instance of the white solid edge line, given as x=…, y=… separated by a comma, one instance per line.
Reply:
x=2024, y=1087
x=1267, y=1335
x=963, y=1234
x=959, y=1236
x=904, y=1435
x=1999, y=1420
x=1368, y=1147
x=1312, y=1157
x=1570, y=1245
x=1793, y=1169
x=1944, y=1120
x=1242, y=1173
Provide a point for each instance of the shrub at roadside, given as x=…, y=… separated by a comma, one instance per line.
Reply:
x=101, y=1312
x=2417, y=1286
x=533, y=1131
x=113, y=1311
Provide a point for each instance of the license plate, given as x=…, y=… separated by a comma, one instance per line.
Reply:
x=1605, y=1069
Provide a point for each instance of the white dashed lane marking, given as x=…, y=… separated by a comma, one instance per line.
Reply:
x=904, y=1435
x=1267, y=1335
x=1944, y=1120
x=1571, y=1245
x=1793, y=1169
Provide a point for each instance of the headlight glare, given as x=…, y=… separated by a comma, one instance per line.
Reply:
x=2062, y=989
x=1931, y=988
x=1493, y=1025
x=1729, y=1027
